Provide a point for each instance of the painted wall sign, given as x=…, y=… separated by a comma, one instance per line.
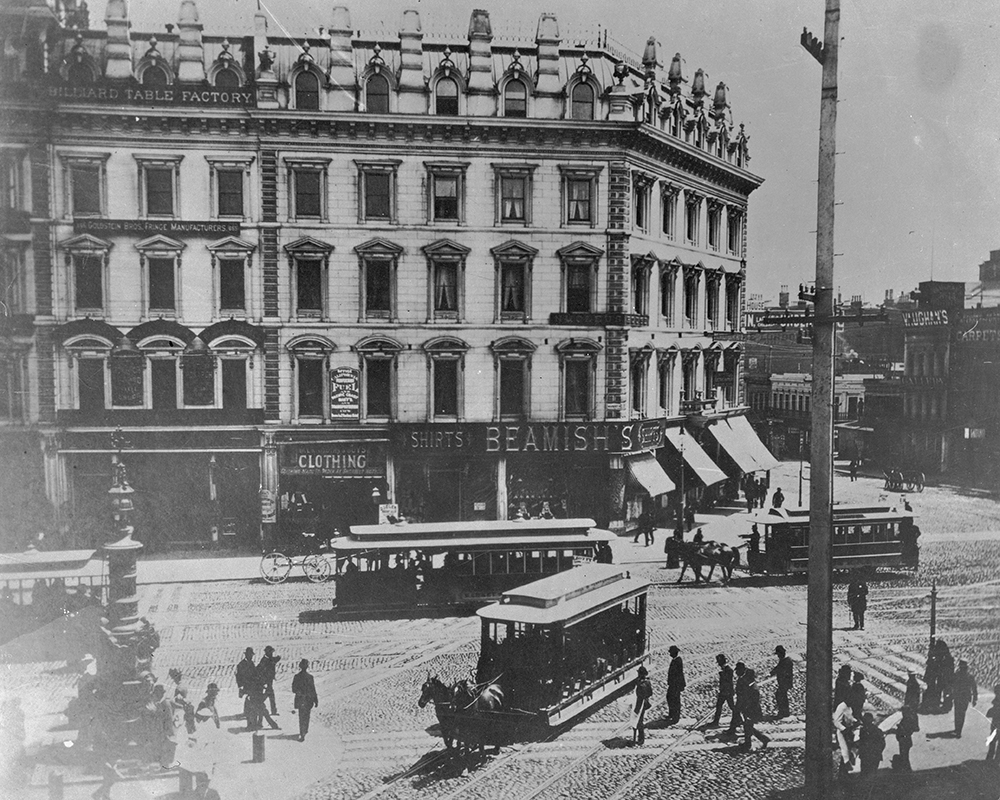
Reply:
x=925, y=319
x=335, y=459
x=175, y=227
x=124, y=95
x=345, y=393
x=268, y=506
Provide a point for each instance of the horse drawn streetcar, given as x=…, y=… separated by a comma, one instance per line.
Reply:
x=549, y=652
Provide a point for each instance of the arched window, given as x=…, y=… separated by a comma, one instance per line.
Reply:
x=582, y=101
x=446, y=98
x=377, y=95
x=307, y=92
x=515, y=100
x=154, y=76
x=227, y=79
x=80, y=74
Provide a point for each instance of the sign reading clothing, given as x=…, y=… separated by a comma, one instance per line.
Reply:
x=345, y=393
x=334, y=459
x=532, y=437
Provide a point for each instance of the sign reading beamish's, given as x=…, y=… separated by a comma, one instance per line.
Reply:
x=531, y=437
x=146, y=226
x=177, y=95
x=335, y=459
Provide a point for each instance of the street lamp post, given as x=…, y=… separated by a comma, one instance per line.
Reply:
x=681, y=508
x=376, y=501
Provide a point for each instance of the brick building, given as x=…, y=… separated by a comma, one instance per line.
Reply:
x=308, y=275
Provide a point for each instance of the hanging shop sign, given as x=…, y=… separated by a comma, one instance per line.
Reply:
x=268, y=506
x=333, y=459
x=345, y=393
x=530, y=437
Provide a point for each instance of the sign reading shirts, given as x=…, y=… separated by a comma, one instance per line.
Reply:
x=531, y=437
x=345, y=393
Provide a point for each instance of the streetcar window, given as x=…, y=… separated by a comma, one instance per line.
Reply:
x=533, y=562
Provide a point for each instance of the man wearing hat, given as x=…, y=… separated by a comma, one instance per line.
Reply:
x=643, y=695
x=963, y=692
x=206, y=708
x=783, y=671
x=304, y=689
x=725, y=695
x=246, y=678
x=675, y=684
x=266, y=669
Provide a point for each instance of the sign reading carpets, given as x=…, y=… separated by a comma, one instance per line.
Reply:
x=345, y=394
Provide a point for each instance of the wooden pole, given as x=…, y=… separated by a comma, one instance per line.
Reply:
x=819, y=623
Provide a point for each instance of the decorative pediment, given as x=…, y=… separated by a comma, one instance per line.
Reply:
x=87, y=328
x=580, y=251
x=233, y=327
x=378, y=247
x=161, y=328
x=578, y=345
x=445, y=344
x=446, y=248
x=307, y=245
x=513, y=344
x=85, y=243
x=311, y=343
x=513, y=249
x=231, y=244
x=378, y=344
x=160, y=243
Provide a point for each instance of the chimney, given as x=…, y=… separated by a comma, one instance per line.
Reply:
x=267, y=81
x=119, y=48
x=783, y=296
x=412, y=91
x=480, y=95
x=548, y=86
x=190, y=52
x=342, y=75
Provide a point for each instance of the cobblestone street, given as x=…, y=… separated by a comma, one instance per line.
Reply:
x=369, y=731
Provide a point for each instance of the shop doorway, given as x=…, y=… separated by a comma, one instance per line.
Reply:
x=444, y=496
x=324, y=506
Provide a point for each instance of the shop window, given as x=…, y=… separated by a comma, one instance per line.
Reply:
x=446, y=187
x=376, y=191
x=90, y=387
x=12, y=389
x=377, y=95
x=306, y=91
x=446, y=98
x=127, y=370
x=579, y=196
x=668, y=295
x=515, y=100
x=158, y=185
x=582, y=101
x=79, y=74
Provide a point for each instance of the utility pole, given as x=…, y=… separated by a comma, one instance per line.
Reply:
x=819, y=623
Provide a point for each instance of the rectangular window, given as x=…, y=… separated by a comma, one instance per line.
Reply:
x=378, y=299
x=88, y=280
x=232, y=284
x=666, y=387
x=378, y=198
x=12, y=195
x=309, y=286
x=668, y=284
x=446, y=287
x=712, y=302
x=691, y=210
x=163, y=377
x=198, y=380
x=234, y=383
x=159, y=191
x=86, y=189
x=512, y=384
x=162, y=293
x=691, y=301
x=637, y=378
x=90, y=384
x=714, y=227
x=579, y=199
x=734, y=232
x=578, y=387
x=12, y=390
x=230, y=192
x=732, y=303
x=668, y=223
x=512, y=288
x=12, y=281
x=640, y=290
x=512, y=196
x=378, y=397
x=640, y=205
x=578, y=288
x=308, y=198
x=445, y=197
x=311, y=374
x=445, y=387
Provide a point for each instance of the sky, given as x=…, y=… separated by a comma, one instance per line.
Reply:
x=918, y=126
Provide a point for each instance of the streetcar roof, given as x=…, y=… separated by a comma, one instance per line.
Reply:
x=532, y=541
x=857, y=514
x=480, y=528
x=566, y=597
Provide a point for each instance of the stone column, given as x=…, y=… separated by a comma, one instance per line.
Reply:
x=616, y=494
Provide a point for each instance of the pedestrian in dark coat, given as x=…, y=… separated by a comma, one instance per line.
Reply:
x=993, y=714
x=871, y=744
x=778, y=499
x=675, y=684
x=304, y=689
x=932, y=676
x=857, y=695
x=206, y=708
x=726, y=693
x=912, y=696
x=783, y=671
x=857, y=599
x=266, y=669
x=946, y=674
x=964, y=692
x=643, y=698
x=748, y=706
x=246, y=678
x=842, y=686
x=909, y=723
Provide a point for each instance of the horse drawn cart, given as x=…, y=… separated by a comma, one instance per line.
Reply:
x=307, y=550
x=899, y=481
x=550, y=651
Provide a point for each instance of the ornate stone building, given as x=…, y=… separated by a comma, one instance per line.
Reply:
x=461, y=275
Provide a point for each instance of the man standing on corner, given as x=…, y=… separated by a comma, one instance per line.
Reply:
x=964, y=691
x=857, y=599
x=266, y=669
x=675, y=684
x=246, y=676
x=643, y=696
x=304, y=689
x=726, y=690
x=783, y=671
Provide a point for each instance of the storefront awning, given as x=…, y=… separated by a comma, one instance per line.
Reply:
x=752, y=444
x=649, y=474
x=730, y=441
x=696, y=458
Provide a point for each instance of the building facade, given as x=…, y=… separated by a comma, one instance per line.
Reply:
x=309, y=278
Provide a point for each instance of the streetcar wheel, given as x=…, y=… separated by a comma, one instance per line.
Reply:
x=274, y=567
x=316, y=568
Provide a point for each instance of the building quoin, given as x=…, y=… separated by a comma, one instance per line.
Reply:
x=312, y=278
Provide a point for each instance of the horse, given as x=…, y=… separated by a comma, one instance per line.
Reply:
x=462, y=698
x=708, y=553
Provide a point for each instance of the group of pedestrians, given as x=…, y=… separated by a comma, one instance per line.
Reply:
x=255, y=683
x=755, y=491
x=738, y=689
